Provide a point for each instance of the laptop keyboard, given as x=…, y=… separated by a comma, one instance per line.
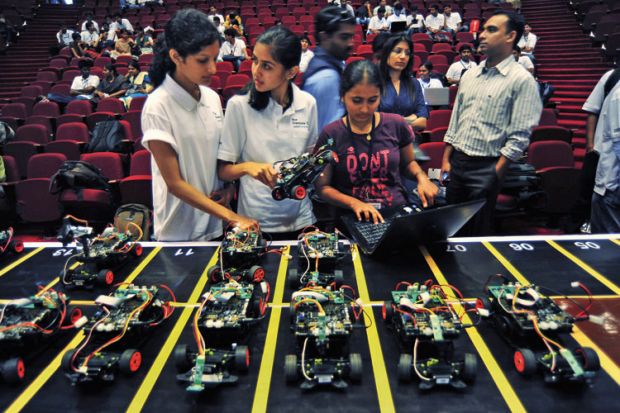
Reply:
x=372, y=232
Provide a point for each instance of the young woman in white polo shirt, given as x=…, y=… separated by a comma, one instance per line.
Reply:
x=271, y=120
x=182, y=121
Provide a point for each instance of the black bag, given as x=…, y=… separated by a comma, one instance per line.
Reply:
x=78, y=175
x=522, y=182
x=108, y=136
x=137, y=214
x=6, y=132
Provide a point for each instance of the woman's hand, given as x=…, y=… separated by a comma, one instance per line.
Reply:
x=262, y=172
x=427, y=191
x=367, y=211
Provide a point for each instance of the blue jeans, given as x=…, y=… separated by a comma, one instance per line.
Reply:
x=605, y=216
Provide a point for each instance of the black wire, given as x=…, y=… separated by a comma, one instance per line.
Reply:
x=551, y=290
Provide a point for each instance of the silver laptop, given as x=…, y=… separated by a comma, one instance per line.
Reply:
x=437, y=96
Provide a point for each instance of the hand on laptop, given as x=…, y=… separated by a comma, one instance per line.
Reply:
x=427, y=191
x=366, y=211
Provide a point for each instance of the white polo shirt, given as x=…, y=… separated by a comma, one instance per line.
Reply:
x=456, y=69
x=79, y=83
x=269, y=136
x=192, y=129
x=453, y=20
x=434, y=22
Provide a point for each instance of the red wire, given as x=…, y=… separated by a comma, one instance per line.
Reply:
x=402, y=283
x=586, y=310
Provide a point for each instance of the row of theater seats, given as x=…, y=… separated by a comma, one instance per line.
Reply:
x=601, y=20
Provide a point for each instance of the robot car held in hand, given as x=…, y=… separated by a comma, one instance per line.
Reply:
x=99, y=255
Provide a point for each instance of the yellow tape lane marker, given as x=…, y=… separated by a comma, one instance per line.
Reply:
x=45, y=375
x=19, y=261
x=502, y=383
x=261, y=394
x=615, y=241
x=607, y=363
x=139, y=399
x=600, y=277
x=384, y=392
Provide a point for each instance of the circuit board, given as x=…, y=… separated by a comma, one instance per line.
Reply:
x=109, y=242
x=331, y=319
x=530, y=300
x=229, y=306
x=241, y=249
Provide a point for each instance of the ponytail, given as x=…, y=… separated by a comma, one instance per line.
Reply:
x=162, y=63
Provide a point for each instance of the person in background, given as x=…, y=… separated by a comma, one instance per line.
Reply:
x=402, y=94
x=233, y=49
x=527, y=43
x=90, y=37
x=363, y=14
x=138, y=83
x=335, y=30
x=435, y=21
x=453, y=21
x=76, y=45
x=123, y=45
x=306, y=54
x=120, y=23
x=382, y=4
x=213, y=13
x=219, y=26
x=399, y=15
x=523, y=60
x=64, y=36
x=233, y=21
x=415, y=21
x=456, y=69
x=83, y=86
x=271, y=120
x=183, y=114
x=374, y=148
x=496, y=107
x=112, y=85
x=143, y=42
x=425, y=78
x=378, y=23
x=89, y=20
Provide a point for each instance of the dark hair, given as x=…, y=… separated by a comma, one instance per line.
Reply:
x=285, y=48
x=134, y=64
x=381, y=10
x=465, y=47
x=358, y=72
x=379, y=41
x=75, y=36
x=517, y=49
x=230, y=32
x=329, y=19
x=406, y=76
x=187, y=32
x=306, y=38
x=434, y=6
x=428, y=64
x=515, y=22
x=111, y=68
x=215, y=18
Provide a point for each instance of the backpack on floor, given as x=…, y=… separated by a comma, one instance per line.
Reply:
x=137, y=214
x=78, y=175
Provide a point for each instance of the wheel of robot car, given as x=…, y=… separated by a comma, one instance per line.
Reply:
x=525, y=361
x=405, y=367
x=75, y=315
x=105, y=277
x=13, y=370
x=298, y=192
x=293, y=278
x=505, y=325
x=182, y=358
x=17, y=246
x=292, y=312
x=257, y=273
x=355, y=367
x=67, y=360
x=387, y=311
x=257, y=306
x=589, y=358
x=130, y=361
x=483, y=303
x=213, y=274
x=470, y=368
x=291, y=374
x=137, y=250
x=338, y=278
x=242, y=358
x=278, y=194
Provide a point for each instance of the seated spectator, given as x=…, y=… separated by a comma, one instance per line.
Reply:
x=387, y=10
x=415, y=21
x=524, y=61
x=364, y=134
x=399, y=15
x=233, y=49
x=7, y=31
x=123, y=45
x=83, y=86
x=402, y=94
x=306, y=54
x=218, y=25
x=453, y=20
x=89, y=20
x=346, y=5
x=143, y=42
x=108, y=49
x=426, y=80
x=138, y=83
x=435, y=21
x=90, y=37
x=112, y=85
x=527, y=43
x=234, y=22
x=64, y=36
x=378, y=23
x=213, y=14
x=363, y=14
x=456, y=69
x=120, y=23
x=76, y=45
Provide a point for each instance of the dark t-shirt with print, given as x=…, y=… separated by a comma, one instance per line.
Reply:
x=369, y=170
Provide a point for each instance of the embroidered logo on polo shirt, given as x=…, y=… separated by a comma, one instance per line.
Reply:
x=300, y=123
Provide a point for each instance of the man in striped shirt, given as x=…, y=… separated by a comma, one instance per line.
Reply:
x=495, y=110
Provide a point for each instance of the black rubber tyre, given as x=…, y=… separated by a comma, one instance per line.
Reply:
x=470, y=368
x=291, y=373
x=338, y=278
x=525, y=362
x=356, y=367
x=291, y=313
x=213, y=274
x=292, y=278
x=589, y=358
x=405, y=367
x=13, y=370
x=182, y=358
x=256, y=307
x=483, y=303
x=242, y=358
x=256, y=274
x=130, y=361
x=387, y=312
x=278, y=194
x=105, y=277
x=65, y=363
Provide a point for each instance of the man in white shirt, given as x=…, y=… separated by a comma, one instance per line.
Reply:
x=89, y=19
x=213, y=13
x=378, y=23
x=120, y=23
x=306, y=54
x=434, y=22
x=64, y=36
x=523, y=60
x=399, y=15
x=527, y=43
x=218, y=25
x=84, y=85
x=387, y=9
x=89, y=36
x=452, y=19
x=233, y=49
x=456, y=69
x=415, y=21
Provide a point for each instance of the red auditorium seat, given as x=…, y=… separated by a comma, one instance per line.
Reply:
x=548, y=118
x=438, y=118
x=31, y=91
x=34, y=202
x=551, y=133
x=134, y=120
x=137, y=103
x=48, y=108
x=137, y=187
x=437, y=134
x=434, y=150
x=79, y=107
x=70, y=140
x=27, y=142
x=44, y=121
x=10, y=169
